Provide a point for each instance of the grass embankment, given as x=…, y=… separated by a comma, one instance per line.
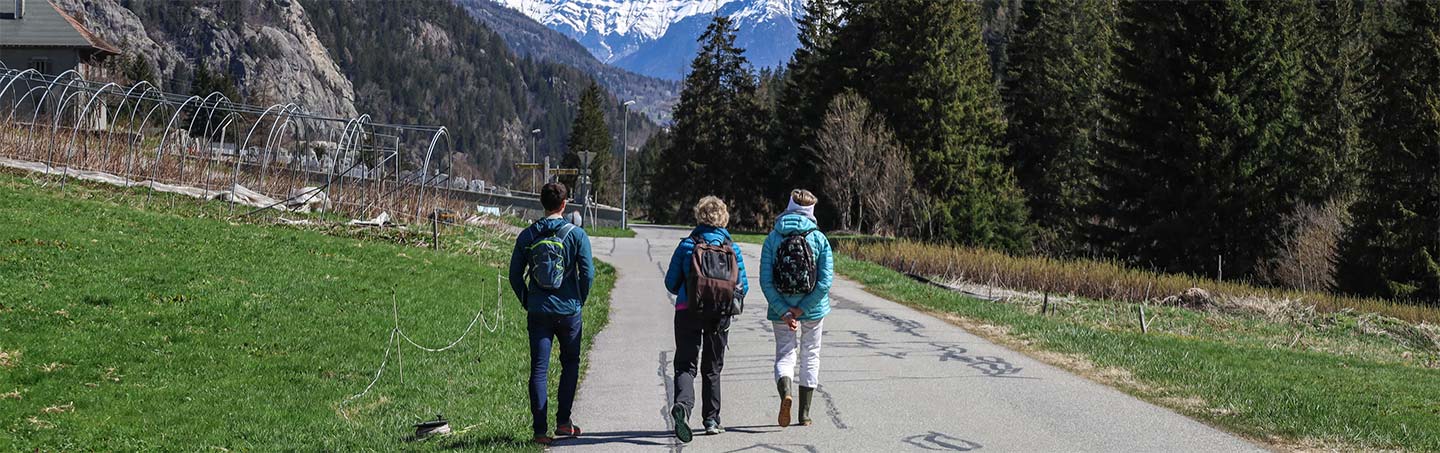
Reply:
x=134, y=329
x=607, y=232
x=1317, y=381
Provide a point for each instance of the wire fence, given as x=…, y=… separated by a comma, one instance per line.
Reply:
x=273, y=158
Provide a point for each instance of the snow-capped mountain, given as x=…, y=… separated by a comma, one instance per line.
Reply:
x=657, y=37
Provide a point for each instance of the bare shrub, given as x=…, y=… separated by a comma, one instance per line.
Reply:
x=864, y=169
x=1308, y=255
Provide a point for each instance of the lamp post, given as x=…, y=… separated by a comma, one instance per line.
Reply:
x=533, y=134
x=625, y=166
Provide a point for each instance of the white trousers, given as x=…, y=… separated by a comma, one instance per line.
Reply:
x=807, y=341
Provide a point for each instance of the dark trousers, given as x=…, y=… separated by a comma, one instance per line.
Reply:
x=694, y=334
x=543, y=329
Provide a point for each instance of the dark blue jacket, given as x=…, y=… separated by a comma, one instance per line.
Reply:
x=579, y=271
x=679, y=271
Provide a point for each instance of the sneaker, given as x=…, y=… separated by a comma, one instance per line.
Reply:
x=567, y=431
x=682, y=428
x=544, y=440
x=713, y=427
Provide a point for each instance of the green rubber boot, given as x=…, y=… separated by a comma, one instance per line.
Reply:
x=806, y=395
x=783, y=385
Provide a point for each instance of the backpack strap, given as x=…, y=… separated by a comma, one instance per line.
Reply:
x=564, y=231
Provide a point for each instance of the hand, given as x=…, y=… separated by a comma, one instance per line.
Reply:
x=796, y=312
x=793, y=323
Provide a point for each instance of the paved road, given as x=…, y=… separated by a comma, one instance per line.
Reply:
x=892, y=379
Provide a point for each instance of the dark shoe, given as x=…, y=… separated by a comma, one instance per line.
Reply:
x=713, y=427
x=806, y=395
x=544, y=440
x=784, y=386
x=682, y=428
x=567, y=431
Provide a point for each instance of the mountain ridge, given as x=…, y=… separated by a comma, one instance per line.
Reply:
x=657, y=38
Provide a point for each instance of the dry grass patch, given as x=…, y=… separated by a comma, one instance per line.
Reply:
x=51, y=367
x=11, y=395
x=8, y=359
x=59, y=408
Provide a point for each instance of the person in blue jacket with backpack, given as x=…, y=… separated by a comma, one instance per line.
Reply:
x=797, y=268
x=707, y=277
x=551, y=271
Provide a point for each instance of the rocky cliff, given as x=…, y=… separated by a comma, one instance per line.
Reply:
x=269, y=48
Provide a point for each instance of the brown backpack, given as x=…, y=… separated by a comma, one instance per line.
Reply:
x=714, y=279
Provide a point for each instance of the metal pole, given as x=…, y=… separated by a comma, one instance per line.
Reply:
x=625, y=166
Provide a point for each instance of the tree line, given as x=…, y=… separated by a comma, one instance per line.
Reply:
x=1292, y=142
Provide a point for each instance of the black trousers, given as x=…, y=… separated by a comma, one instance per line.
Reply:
x=699, y=340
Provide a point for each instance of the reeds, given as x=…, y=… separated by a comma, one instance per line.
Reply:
x=1098, y=280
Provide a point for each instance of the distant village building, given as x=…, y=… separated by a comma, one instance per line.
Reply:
x=37, y=34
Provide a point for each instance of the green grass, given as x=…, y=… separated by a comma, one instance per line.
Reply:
x=1336, y=386
x=171, y=327
x=607, y=232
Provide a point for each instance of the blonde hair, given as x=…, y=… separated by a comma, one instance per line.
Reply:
x=803, y=197
x=712, y=211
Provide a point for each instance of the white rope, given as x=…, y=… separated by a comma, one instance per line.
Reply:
x=397, y=332
x=499, y=314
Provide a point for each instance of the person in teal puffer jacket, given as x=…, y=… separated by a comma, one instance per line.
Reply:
x=797, y=313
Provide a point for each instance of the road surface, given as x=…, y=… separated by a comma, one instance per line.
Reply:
x=892, y=379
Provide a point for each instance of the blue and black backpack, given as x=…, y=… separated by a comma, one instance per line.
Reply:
x=547, y=258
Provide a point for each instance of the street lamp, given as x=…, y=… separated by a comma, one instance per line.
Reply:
x=533, y=134
x=625, y=166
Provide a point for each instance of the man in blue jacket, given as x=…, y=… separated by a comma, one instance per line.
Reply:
x=550, y=272
x=697, y=331
x=796, y=271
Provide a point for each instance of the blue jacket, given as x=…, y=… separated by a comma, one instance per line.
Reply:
x=579, y=266
x=816, y=304
x=679, y=271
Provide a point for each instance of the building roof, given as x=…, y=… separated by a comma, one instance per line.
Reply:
x=45, y=25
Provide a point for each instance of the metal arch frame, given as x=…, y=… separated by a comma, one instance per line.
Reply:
x=129, y=94
x=283, y=118
x=55, y=126
x=191, y=126
x=240, y=151
x=349, y=137
x=434, y=140
x=75, y=131
x=35, y=116
x=219, y=130
x=160, y=149
x=15, y=77
x=134, y=143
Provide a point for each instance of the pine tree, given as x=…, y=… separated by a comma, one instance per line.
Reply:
x=922, y=65
x=809, y=85
x=590, y=133
x=1394, y=247
x=717, y=142
x=1338, y=93
x=1059, y=62
x=1200, y=147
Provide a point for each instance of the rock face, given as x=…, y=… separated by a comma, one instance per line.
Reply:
x=268, y=47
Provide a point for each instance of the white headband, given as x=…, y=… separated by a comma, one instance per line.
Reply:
x=807, y=211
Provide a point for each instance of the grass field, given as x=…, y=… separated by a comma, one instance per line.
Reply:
x=1321, y=383
x=606, y=232
x=144, y=329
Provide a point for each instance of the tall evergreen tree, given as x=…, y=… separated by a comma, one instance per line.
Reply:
x=1394, y=247
x=923, y=66
x=1201, y=141
x=590, y=133
x=1059, y=63
x=1338, y=92
x=718, y=139
x=809, y=85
